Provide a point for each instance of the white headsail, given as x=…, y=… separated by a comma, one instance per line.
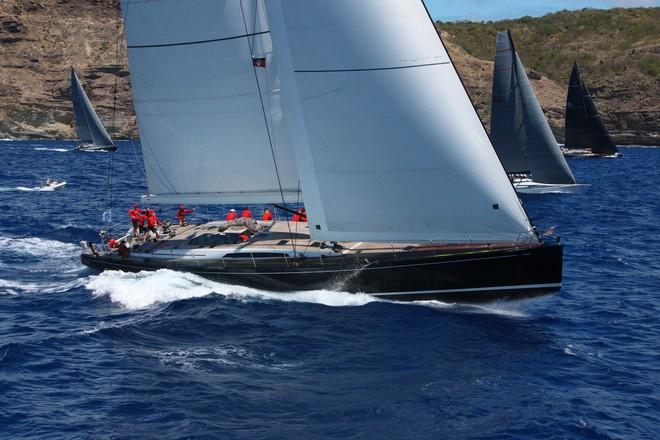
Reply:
x=206, y=95
x=388, y=144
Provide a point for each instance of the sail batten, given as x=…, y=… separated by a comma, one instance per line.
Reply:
x=200, y=109
x=88, y=125
x=388, y=145
x=584, y=125
x=520, y=131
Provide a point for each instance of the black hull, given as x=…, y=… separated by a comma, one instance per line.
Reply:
x=467, y=276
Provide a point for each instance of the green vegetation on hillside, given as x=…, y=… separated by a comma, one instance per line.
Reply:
x=606, y=43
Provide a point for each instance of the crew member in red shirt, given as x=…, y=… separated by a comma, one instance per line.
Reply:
x=246, y=213
x=153, y=222
x=231, y=215
x=134, y=214
x=268, y=216
x=181, y=214
x=142, y=219
x=300, y=216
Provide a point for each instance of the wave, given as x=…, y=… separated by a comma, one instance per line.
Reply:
x=144, y=289
x=48, y=255
x=59, y=150
x=9, y=287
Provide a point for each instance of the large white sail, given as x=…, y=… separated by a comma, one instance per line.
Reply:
x=388, y=144
x=206, y=123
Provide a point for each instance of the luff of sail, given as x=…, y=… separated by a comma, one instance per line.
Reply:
x=388, y=145
x=88, y=125
x=518, y=123
x=584, y=126
x=210, y=122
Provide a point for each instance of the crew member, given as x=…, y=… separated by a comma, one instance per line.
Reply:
x=134, y=214
x=231, y=215
x=246, y=213
x=142, y=221
x=268, y=216
x=153, y=222
x=299, y=216
x=181, y=214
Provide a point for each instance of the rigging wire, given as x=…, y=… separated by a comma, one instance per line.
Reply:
x=263, y=109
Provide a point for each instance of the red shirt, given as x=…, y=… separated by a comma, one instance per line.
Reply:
x=231, y=216
x=134, y=214
x=246, y=213
x=143, y=218
x=182, y=212
x=267, y=216
x=153, y=221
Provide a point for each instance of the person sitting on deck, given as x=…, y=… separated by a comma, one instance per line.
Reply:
x=134, y=214
x=300, y=216
x=268, y=216
x=153, y=223
x=181, y=214
x=246, y=213
x=231, y=215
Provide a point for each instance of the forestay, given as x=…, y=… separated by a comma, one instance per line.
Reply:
x=527, y=126
x=388, y=144
x=88, y=125
x=204, y=119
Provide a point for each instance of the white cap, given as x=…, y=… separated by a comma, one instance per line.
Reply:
x=232, y=210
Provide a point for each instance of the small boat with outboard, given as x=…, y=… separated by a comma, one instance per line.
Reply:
x=52, y=184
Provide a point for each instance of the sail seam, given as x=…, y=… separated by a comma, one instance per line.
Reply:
x=188, y=43
x=372, y=68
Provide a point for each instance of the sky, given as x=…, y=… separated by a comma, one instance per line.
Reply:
x=481, y=10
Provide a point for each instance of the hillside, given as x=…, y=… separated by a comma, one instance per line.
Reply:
x=619, y=52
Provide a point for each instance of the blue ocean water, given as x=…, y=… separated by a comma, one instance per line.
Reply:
x=172, y=355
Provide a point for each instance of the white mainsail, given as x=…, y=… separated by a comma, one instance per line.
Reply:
x=204, y=119
x=388, y=145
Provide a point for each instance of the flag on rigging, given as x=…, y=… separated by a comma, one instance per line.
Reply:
x=259, y=62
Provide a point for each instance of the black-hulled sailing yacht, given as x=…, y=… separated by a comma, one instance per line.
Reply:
x=585, y=129
x=520, y=131
x=91, y=132
x=350, y=106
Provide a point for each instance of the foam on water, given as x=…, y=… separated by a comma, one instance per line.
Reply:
x=59, y=150
x=40, y=254
x=144, y=289
x=19, y=287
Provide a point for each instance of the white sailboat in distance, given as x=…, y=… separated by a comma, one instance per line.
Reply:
x=355, y=102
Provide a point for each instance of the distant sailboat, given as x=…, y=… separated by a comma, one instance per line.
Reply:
x=520, y=132
x=356, y=103
x=92, y=134
x=584, y=126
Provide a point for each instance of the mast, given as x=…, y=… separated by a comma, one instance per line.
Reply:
x=388, y=145
x=88, y=125
x=584, y=125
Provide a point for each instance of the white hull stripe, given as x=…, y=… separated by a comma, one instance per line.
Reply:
x=472, y=289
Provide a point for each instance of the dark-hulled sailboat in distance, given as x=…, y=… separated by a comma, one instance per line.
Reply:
x=355, y=102
x=585, y=129
x=520, y=131
x=91, y=132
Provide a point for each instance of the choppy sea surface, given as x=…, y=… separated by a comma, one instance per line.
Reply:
x=172, y=355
